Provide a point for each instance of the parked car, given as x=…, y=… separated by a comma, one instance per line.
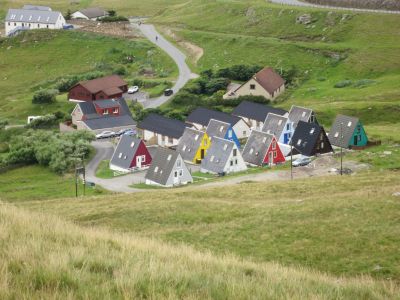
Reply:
x=168, y=92
x=301, y=161
x=133, y=89
x=130, y=132
x=105, y=135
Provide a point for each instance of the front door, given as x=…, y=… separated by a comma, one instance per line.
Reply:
x=138, y=161
x=271, y=158
x=355, y=140
x=176, y=178
x=202, y=153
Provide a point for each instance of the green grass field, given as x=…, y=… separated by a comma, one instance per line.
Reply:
x=51, y=55
x=344, y=226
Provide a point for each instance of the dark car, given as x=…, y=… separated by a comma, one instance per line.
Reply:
x=168, y=92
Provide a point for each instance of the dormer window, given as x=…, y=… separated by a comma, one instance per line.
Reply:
x=312, y=130
x=169, y=157
x=132, y=144
x=184, y=148
x=251, y=151
x=105, y=112
x=155, y=169
x=196, y=137
x=336, y=134
x=299, y=142
x=120, y=155
x=303, y=114
x=280, y=122
x=225, y=147
x=221, y=128
x=116, y=110
x=212, y=158
x=349, y=124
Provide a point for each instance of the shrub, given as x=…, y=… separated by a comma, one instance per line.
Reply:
x=44, y=122
x=44, y=97
x=342, y=84
x=114, y=19
x=120, y=71
x=363, y=83
x=238, y=72
x=3, y=123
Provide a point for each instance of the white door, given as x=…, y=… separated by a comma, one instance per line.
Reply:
x=138, y=161
x=271, y=158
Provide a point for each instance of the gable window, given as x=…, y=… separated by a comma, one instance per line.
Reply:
x=235, y=161
x=275, y=154
x=303, y=114
x=143, y=158
x=230, y=134
x=231, y=163
x=221, y=128
x=252, y=86
x=322, y=145
x=264, y=140
x=180, y=172
x=205, y=142
x=178, y=163
x=287, y=126
x=312, y=119
x=234, y=152
x=274, y=145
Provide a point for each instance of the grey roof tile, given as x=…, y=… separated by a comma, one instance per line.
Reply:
x=217, y=155
x=256, y=147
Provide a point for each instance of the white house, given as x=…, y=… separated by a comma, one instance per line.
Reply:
x=91, y=13
x=32, y=17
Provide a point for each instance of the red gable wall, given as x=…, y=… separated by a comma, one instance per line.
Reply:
x=280, y=158
x=142, y=150
x=78, y=92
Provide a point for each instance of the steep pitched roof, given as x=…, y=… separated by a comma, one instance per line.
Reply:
x=203, y=116
x=87, y=108
x=256, y=111
x=298, y=113
x=217, y=128
x=162, y=165
x=32, y=16
x=162, y=125
x=345, y=126
x=189, y=143
x=269, y=79
x=93, y=12
x=274, y=124
x=306, y=136
x=125, y=151
x=217, y=155
x=257, y=147
x=103, y=83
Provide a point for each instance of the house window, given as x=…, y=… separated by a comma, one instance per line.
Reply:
x=180, y=172
x=280, y=122
x=38, y=25
x=116, y=110
x=298, y=142
x=225, y=147
x=120, y=155
x=169, y=157
x=184, y=148
x=274, y=145
x=264, y=140
x=275, y=154
x=124, y=156
x=212, y=158
x=230, y=134
x=221, y=128
x=235, y=161
x=359, y=138
x=178, y=163
x=47, y=26
x=143, y=158
x=176, y=174
x=234, y=152
x=287, y=126
x=322, y=145
x=8, y=23
x=252, y=86
x=312, y=130
x=132, y=144
x=312, y=119
x=251, y=151
x=155, y=169
x=349, y=124
x=205, y=142
x=231, y=163
x=196, y=137
x=29, y=24
x=303, y=114
x=336, y=134
x=15, y=24
x=105, y=112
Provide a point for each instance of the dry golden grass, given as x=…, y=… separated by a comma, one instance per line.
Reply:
x=45, y=257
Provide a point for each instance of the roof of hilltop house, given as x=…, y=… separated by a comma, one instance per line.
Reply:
x=269, y=79
x=345, y=126
x=217, y=155
x=203, y=116
x=162, y=165
x=217, y=128
x=93, y=12
x=298, y=113
x=36, y=7
x=162, y=125
x=32, y=16
x=103, y=83
x=274, y=124
x=256, y=111
x=256, y=147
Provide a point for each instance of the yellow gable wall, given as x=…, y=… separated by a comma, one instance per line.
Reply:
x=204, y=145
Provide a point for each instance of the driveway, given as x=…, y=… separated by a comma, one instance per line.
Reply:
x=301, y=3
x=180, y=59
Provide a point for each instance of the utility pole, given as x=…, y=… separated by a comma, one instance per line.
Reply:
x=84, y=175
x=291, y=160
x=341, y=149
x=76, y=181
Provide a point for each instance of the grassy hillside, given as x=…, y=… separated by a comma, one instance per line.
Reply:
x=370, y=4
x=344, y=226
x=37, y=59
x=336, y=46
x=43, y=257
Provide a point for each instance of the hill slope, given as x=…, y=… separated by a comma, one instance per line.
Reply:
x=44, y=257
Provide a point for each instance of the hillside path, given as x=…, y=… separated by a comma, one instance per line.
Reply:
x=306, y=4
x=185, y=74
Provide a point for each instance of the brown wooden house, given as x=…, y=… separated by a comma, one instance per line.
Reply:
x=109, y=87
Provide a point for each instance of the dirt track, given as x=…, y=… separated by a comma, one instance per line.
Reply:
x=120, y=29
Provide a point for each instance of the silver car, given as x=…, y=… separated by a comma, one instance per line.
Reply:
x=301, y=161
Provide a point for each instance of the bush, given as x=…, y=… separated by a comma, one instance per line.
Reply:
x=44, y=122
x=342, y=84
x=44, y=97
x=120, y=71
x=114, y=19
x=3, y=123
x=238, y=72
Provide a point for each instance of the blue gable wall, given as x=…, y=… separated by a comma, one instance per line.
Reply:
x=231, y=136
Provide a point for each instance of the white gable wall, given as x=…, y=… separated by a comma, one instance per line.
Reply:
x=238, y=163
x=79, y=15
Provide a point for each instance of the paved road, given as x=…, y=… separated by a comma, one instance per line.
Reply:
x=301, y=3
x=180, y=59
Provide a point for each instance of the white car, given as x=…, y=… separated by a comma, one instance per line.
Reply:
x=105, y=135
x=133, y=89
x=301, y=161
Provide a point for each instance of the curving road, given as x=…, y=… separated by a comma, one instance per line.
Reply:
x=306, y=4
x=185, y=74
